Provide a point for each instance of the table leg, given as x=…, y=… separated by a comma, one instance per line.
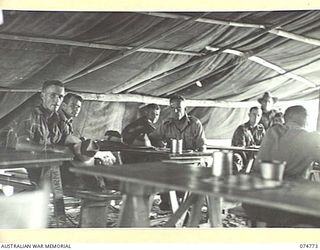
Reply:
x=53, y=175
x=135, y=206
x=215, y=210
x=195, y=215
x=181, y=211
x=173, y=200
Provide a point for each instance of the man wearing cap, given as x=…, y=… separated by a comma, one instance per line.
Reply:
x=247, y=134
x=291, y=143
x=183, y=126
x=138, y=132
x=268, y=112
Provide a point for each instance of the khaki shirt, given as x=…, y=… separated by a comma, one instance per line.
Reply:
x=42, y=127
x=290, y=143
x=192, y=133
x=65, y=124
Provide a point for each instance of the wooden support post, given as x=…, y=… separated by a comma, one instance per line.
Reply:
x=215, y=210
x=318, y=118
x=195, y=215
x=181, y=210
x=93, y=213
x=135, y=205
x=53, y=175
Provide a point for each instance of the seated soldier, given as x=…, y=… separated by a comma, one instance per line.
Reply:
x=183, y=126
x=41, y=131
x=268, y=112
x=86, y=151
x=247, y=134
x=293, y=144
x=137, y=132
x=277, y=119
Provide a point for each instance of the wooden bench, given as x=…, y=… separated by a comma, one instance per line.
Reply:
x=94, y=206
x=18, y=179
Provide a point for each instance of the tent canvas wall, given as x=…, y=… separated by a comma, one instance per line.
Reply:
x=120, y=60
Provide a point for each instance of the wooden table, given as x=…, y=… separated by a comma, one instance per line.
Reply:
x=141, y=180
x=10, y=158
x=234, y=148
x=135, y=154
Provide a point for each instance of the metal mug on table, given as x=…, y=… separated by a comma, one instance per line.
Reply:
x=222, y=163
x=272, y=170
x=176, y=146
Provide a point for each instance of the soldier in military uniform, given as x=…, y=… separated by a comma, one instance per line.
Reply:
x=250, y=133
x=183, y=126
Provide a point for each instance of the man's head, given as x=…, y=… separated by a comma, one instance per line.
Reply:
x=297, y=114
x=255, y=114
x=278, y=118
x=177, y=107
x=267, y=101
x=52, y=94
x=152, y=112
x=71, y=105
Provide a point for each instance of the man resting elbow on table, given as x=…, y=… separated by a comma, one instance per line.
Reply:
x=185, y=127
x=247, y=134
x=139, y=132
x=299, y=149
x=43, y=130
x=87, y=151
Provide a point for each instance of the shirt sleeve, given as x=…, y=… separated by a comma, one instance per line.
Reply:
x=238, y=138
x=134, y=130
x=315, y=147
x=199, y=135
x=269, y=142
x=32, y=128
x=162, y=133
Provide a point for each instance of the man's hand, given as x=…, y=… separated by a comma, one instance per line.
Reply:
x=71, y=139
x=106, y=158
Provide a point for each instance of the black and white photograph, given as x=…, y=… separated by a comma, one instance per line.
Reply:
x=161, y=119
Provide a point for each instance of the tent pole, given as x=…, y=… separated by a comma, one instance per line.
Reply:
x=276, y=31
x=204, y=20
x=318, y=118
x=54, y=41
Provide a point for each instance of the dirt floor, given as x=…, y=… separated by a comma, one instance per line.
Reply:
x=234, y=217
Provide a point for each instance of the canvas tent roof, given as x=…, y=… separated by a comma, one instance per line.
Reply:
x=145, y=57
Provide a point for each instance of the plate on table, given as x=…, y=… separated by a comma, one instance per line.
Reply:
x=182, y=161
x=142, y=147
x=185, y=157
x=243, y=182
x=254, y=147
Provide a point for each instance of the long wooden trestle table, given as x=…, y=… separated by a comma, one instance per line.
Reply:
x=143, y=179
x=50, y=162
